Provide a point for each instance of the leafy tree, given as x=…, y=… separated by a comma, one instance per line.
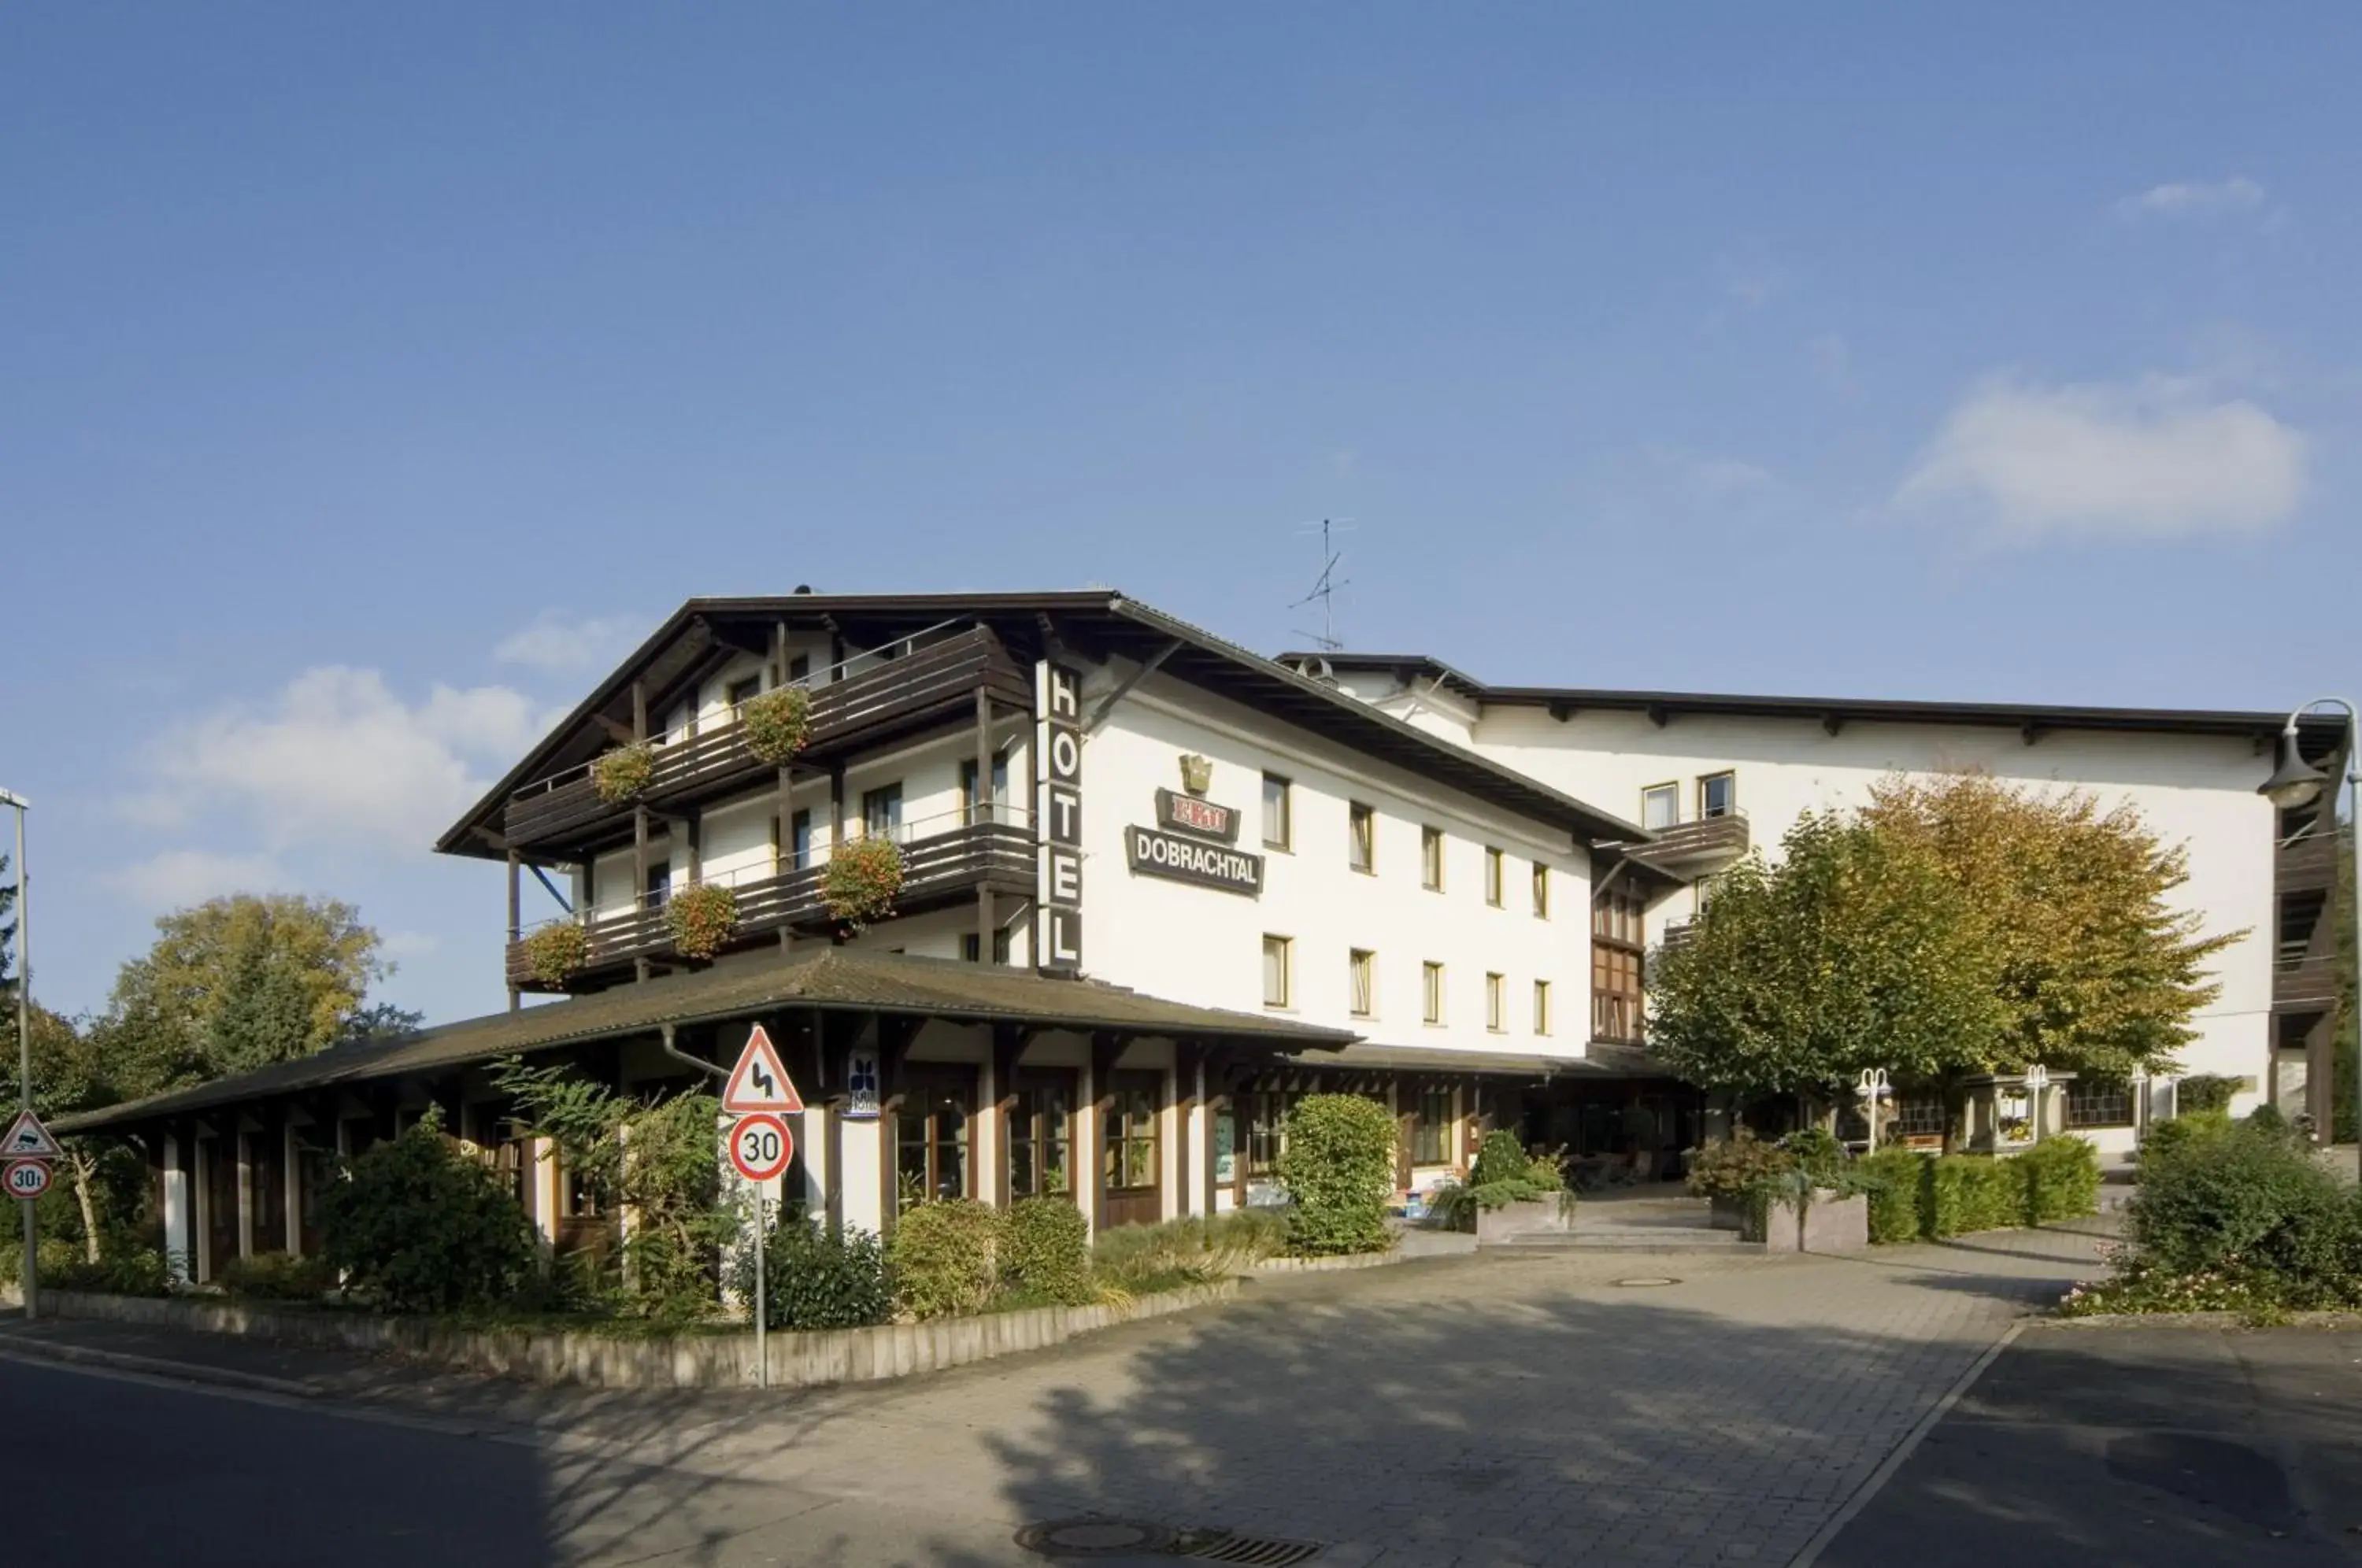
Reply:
x=425, y=1227
x=2098, y=972
x=237, y=983
x=1857, y=950
x=71, y=1073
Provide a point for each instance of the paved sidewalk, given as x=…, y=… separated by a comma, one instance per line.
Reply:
x=1503, y=1408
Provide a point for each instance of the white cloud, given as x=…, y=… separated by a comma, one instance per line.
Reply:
x=2153, y=459
x=181, y=876
x=562, y=645
x=339, y=758
x=2197, y=200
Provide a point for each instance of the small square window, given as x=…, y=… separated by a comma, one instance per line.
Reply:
x=1542, y=1007
x=1430, y=978
x=800, y=668
x=1361, y=976
x=1431, y=859
x=1660, y=807
x=1361, y=828
x=1278, y=819
x=742, y=690
x=1496, y=1003
x=1541, y=892
x=1718, y=795
x=1496, y=875
x=1278, y=958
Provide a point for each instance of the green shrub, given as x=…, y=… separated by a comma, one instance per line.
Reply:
x=2204, y=1091
x=1339, y=1168
x=1728, y=1169
x=1893, y=1179
x=57, y=1258
x=1971, y=1192
x=2251, y=1200
x=1048, y=1256
x=122, y=1271
x=424, y=1228
x=278, y=1276
x=1500, y=1157
x=2062, y=1180
x=946, y=1257
x=1183, y=1252
x=1818, y=1153
x=818, y=1276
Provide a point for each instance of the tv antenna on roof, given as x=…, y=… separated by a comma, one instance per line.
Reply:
x=1324, y=590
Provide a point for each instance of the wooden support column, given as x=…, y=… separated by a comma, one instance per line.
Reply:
x=1090, y=1156
x=778, y=653
x=517, y=924
x=639, y=877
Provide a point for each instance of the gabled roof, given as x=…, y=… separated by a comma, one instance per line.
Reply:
x=830, y=979
x=1096, y=622
x=2034, y=717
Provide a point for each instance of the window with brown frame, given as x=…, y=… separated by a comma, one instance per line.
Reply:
x=931, y=1144
x=1130, y=1143
x=1431, y=1133
x=2099, y=1102
x=1264, y=1113
x=1717, y=795
x=1619, y=925
x=1041, y=1123
x=1660, y=807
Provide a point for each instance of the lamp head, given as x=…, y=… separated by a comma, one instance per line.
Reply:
x=2295, y=781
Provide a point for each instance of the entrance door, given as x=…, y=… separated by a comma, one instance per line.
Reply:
x=221, y=1203
x=1041, y=1134
x=1134, y=1161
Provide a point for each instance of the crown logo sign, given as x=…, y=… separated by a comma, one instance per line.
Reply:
x=1196, y=773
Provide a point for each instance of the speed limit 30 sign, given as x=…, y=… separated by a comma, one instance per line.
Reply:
x=26, y=1178
x=760, y=1146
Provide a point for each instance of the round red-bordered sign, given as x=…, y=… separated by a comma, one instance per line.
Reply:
x=26, y=1178
x=761, y=1146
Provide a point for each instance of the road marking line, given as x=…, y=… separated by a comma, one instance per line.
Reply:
x=1911, y=1441
x=17, y=1347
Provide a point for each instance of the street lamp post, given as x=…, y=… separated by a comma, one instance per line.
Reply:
x=25, y=1042
x=2296, y=783
x=1872, y=1088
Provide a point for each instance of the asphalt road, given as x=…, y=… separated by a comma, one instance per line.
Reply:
x=2143, y=1447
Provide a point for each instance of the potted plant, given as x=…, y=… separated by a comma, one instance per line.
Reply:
x=555, y=954
x=777, y=723
x=701, y=917
x=622, y=773
x=1729, y=1173
x=860, y=880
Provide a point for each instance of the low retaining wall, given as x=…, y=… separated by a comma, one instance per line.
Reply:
x=1525, y=1217
x=1319, y=1266
x=798, y=1358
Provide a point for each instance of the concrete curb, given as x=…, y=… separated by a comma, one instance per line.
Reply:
x=2348, y=1319
x=14, y=1347
x=1324, y=1265
x=798, y=1359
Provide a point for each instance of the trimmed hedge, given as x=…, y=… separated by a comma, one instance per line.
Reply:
x=1913, y=1197
x=946, y=1257
x=1893, y=1178
x=1048, y=1254
x=2062, y=1180
x=1339, y=1167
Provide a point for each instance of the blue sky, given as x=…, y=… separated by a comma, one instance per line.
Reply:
x=372, y=378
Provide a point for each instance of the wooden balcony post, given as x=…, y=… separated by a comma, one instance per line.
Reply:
x=516, y=924
x=639, y=855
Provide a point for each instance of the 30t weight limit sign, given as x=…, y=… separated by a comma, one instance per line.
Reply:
x=761, y=1146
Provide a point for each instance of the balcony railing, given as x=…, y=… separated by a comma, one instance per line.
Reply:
x=1709, y=844
x=944, y=860
x=930, y=680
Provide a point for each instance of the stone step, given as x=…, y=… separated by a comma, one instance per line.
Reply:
x=1636, y=1239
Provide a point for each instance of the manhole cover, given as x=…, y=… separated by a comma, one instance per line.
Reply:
x=1641, y=1281
x=1094, y=1538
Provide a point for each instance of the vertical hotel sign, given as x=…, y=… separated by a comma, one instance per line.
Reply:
x=1057, y=819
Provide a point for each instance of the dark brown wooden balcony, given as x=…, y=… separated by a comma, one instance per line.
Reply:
x=933, y=683
x=2306, y=861
x=1694, y=848
x=938, y=871
x=2299, y=985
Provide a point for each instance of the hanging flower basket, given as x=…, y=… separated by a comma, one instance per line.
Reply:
x=625, y=772
x=555, y=953
x=860, y=880
x=702, y=917
x=778, y=724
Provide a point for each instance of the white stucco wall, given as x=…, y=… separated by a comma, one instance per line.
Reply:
x=2196, y=791
x=1204, y=945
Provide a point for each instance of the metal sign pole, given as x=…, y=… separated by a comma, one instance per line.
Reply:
x=762, y=1344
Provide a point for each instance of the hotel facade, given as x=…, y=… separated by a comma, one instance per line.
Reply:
x=1154, y=888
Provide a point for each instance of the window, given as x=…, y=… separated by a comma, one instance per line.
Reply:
x=992, y=807
x=930, y=1141
x=972, y=950
x=1921, y=1114
x=1495, y=877
x=1277, y=955
x=1717, y=794
x=1431, y=1133
x=1265, y=1114
x=1041, y=1123
x=1431, y=985
x=1660, y=806
x=1615, y=993
x=799, y=840
x=740, y=690
x=1496, y=1003
x=2099, y=1102
x=1278, y=831
x=1130, y=1130
x=800, y=668
x=1361, y=827
x=1620, y=917
x=660, y=884
x=1360, y=965
x=1541, y=892
x=1431, y=859
x=1542, y=1007
x=881, y=812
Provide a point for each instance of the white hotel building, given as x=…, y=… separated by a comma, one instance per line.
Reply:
x=1157, y=886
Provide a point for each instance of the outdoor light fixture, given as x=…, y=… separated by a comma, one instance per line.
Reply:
x=2296, y=783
